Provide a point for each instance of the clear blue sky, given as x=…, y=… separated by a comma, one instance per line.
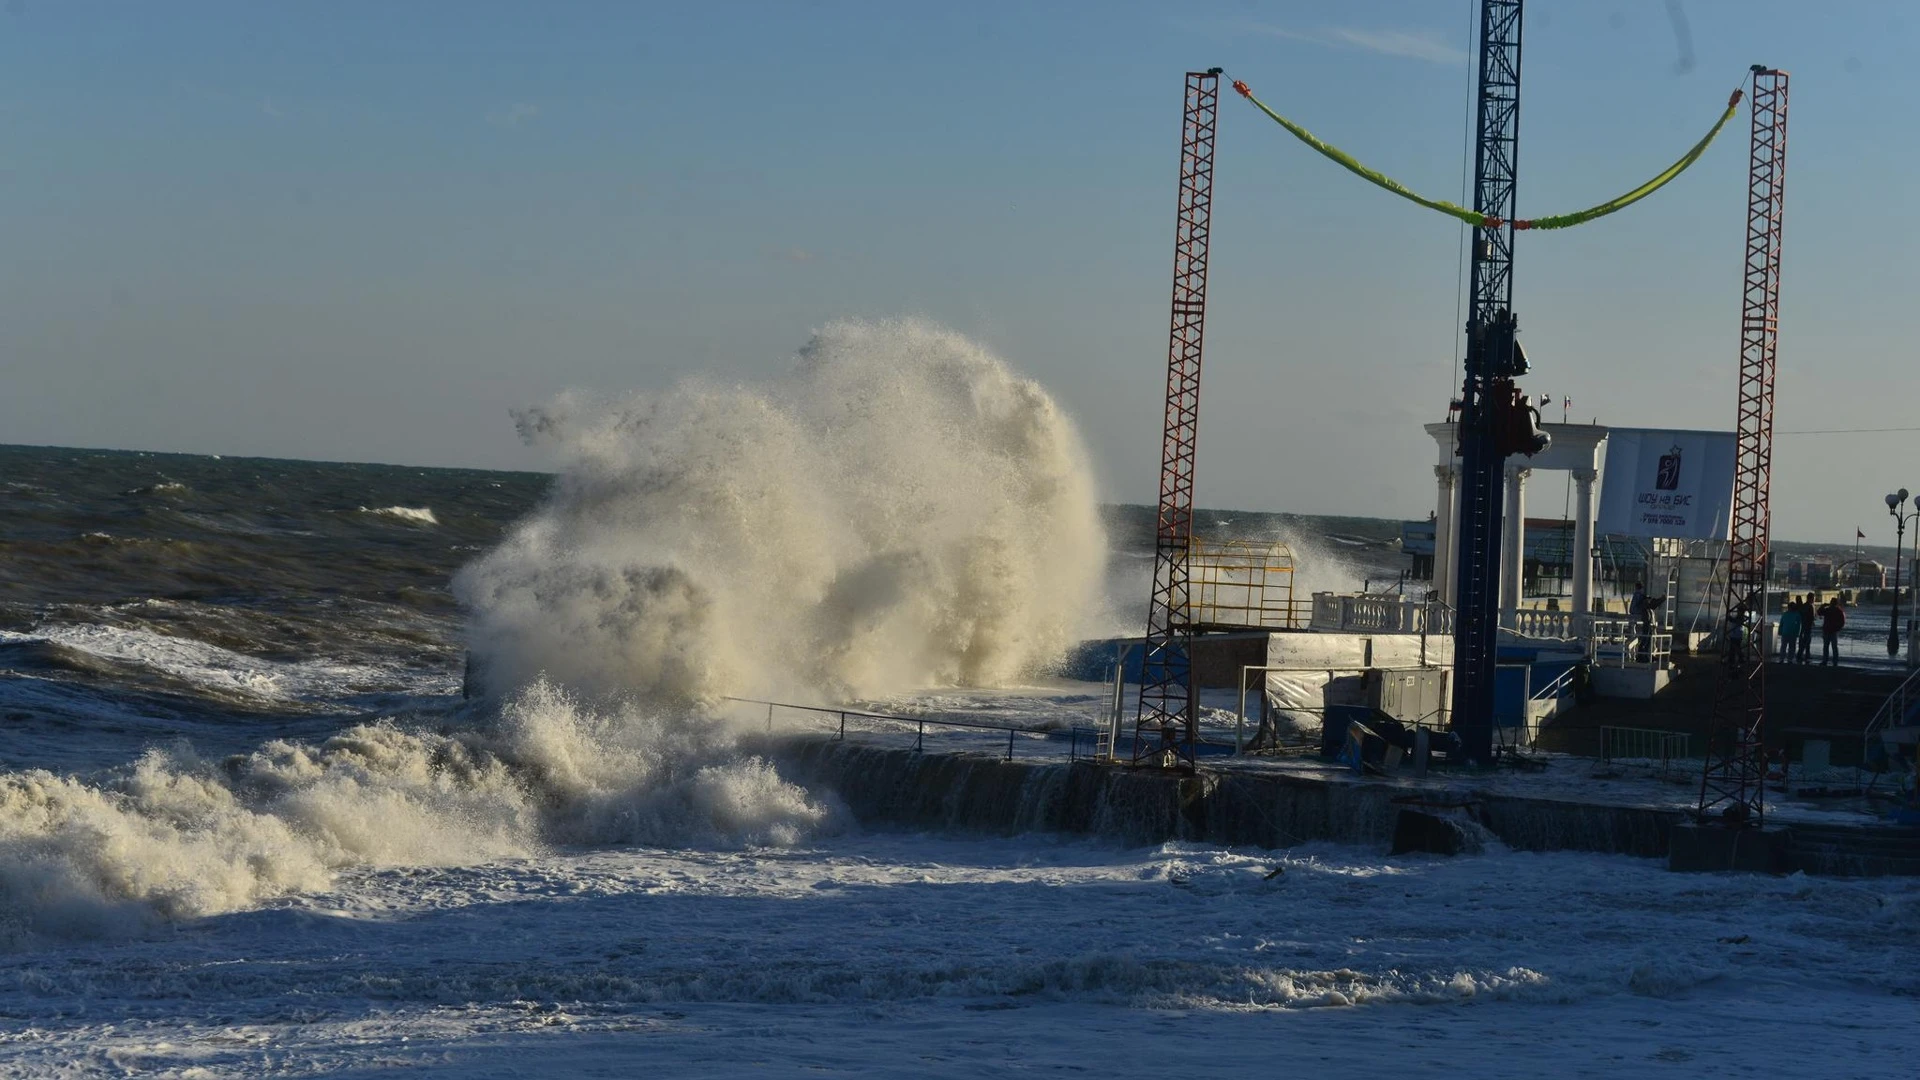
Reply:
x=365, y=231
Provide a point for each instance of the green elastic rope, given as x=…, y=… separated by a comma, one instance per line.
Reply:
x=1346, y=160
x=1475, y=218
x=1563, y=221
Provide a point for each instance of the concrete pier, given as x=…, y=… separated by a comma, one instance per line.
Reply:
x=978, y=792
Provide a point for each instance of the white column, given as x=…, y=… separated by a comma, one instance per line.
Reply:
x=1513, y=548
x=1453, y=555
x=1582, y=547
x=1443, y=534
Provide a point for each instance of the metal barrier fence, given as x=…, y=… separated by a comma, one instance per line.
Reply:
x=1072, y=734
x=1644, y=744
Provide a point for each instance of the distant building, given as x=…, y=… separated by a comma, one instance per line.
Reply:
x=1819, y=574
x=1416, y=540
x=1866, y=574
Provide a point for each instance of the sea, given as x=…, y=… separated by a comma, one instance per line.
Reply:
x=363, y=770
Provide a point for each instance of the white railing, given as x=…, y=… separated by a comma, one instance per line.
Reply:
x=1532, y=622
x=1620, y=643
x=1379, y=614
x=1559, y=686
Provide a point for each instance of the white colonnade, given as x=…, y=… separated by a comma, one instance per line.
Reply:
x=1577, y=448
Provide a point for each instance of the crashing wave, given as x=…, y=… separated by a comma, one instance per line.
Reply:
x=179, y=837
x=900, y=511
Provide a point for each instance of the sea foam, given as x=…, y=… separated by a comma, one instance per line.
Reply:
x=175, y=836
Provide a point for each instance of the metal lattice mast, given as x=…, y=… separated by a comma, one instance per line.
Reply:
x=1490, y=346
x=1732, y=788
x=1164, y=725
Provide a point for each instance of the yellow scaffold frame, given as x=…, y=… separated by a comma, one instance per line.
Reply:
x=1243, y=585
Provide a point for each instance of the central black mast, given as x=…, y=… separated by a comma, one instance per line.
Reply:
x=1492, y=362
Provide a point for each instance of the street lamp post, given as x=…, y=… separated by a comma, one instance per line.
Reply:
x=1897, y=506
x=1913, y=565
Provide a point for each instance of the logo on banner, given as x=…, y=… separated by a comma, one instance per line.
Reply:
x=1668, y=477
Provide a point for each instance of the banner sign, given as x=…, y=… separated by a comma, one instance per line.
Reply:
x=1675, y=485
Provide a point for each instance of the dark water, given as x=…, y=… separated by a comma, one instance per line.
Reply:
x=151, y=596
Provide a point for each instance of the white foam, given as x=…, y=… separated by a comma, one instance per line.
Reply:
x=417, y=515
x=214, y=668
x=901, y=511
x=178, y=837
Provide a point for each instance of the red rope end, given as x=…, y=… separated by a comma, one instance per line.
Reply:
x=1735, y=99
x=1492, y=222
x=1522, y=223
x=1242, y=87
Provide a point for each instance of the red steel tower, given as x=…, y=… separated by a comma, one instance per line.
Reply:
x=1164, y=725
x=1732, y=788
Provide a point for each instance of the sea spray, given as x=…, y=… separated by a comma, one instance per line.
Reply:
x=901, y=510
x=175, y=836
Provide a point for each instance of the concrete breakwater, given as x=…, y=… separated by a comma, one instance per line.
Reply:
x=976, y=792
x=1268, y=808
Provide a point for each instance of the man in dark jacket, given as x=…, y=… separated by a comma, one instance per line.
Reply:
x=1640, y=611
x=1832, y=618
x=1806, y=629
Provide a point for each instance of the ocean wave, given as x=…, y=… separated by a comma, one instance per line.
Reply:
x=179, y=837
x=206, y=667
x=417, y=515
x=169, y=487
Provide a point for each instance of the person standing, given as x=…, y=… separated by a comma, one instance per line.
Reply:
x=1789, y=630
x=1832, y=618
x=1640, y=610
x=1806, y=629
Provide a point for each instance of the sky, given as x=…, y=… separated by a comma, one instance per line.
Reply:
x=360, y=231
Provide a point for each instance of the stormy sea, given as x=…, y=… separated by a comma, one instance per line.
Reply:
x=352, y=770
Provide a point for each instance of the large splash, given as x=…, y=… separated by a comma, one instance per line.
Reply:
x=901, y=510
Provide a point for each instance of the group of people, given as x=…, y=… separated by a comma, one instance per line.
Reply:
x=1797, y=624
x=1796, y=630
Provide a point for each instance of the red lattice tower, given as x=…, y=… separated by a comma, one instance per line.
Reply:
x=1732, y=788
x=1164, y=725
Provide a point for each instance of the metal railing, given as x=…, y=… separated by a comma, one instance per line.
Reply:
x=1557, y=687
x=1620, y=744
x=1892, y=713
x=1072, y=734
x=1619, y=643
